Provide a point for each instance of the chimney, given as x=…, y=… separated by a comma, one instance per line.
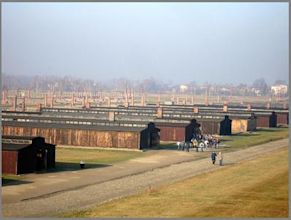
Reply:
x=14, y=104
x=218, y=99
x=4, y=97
x=160, y=112
x=142, y=100
x=126, y=99
x=52, y=101
x=132, y=98
x=86, y=98
x=206, y=97
x=39, y=107
x=196, y=110
x=84, y=102
x=268, y=105
x=159, y=100
x=225, y=108
x=45, y=100
x=88, y=105
x=111, y=116
x=72, y=100
x=23, y=104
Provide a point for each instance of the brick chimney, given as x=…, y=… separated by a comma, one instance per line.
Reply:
x=159, y=112
x=73, y=100
x=52, y=101
x=185, y=100
x=159, y=100
x=142, y=100
x=39, y=107
x=196, y=110
x=4, y=97
x=14, y=103
x=132, y=98
x=88, y=105
x=268, y=105
x=23, y=104
x=45, y=100
x=111, y=116
x=126, y=99
x=84, y=101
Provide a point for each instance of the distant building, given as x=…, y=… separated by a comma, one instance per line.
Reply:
x=183, y=88
x=279, y=89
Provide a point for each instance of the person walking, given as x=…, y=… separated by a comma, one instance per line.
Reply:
x=220, y=158
x=213, y=157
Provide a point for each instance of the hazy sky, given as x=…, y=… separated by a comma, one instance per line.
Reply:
x=177, y=42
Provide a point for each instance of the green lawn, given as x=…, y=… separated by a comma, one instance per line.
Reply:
x=262, y=135
x=8, y=179
x=255, y=188
x=94, y=156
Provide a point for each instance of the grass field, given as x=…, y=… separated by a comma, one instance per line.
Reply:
x=256, y=188
x=262, y=135
x=10, y=179
x=94, y=156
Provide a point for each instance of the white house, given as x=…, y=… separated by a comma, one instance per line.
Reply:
x=279, y=89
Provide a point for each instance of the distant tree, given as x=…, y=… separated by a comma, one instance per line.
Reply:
x=261, y=85
x=280, y=82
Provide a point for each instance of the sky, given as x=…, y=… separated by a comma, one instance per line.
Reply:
x=173, y=42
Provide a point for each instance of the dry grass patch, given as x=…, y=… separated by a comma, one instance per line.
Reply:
x=256, y=188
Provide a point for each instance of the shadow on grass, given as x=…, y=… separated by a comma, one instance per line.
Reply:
x=267, y=129
x=171, y=146
x=11, y=182
x=64, y=166
x=222, y=140
x=245, y=134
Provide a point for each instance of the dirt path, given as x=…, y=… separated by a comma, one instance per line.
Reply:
x=129, y=178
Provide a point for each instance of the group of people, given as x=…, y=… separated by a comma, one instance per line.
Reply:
x=199, y=141
x=215, y=156
x=205, y=140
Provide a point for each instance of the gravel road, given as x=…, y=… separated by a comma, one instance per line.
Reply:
x=84, y=197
